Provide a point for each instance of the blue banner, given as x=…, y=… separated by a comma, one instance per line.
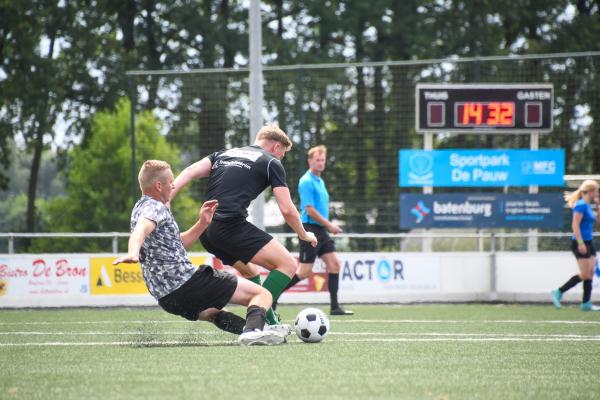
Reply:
x=481, y=168
x=481, y=210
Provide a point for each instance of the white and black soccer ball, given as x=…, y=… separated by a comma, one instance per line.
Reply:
x=312, y=325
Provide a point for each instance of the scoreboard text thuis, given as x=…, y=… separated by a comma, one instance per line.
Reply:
x=484, y=108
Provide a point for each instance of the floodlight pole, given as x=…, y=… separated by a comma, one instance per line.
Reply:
x=256, y=96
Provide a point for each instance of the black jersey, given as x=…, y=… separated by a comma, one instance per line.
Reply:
x=238, y=176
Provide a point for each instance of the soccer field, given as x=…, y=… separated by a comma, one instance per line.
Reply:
x=383, y=351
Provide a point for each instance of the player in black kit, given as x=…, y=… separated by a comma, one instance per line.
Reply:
x=235, y=178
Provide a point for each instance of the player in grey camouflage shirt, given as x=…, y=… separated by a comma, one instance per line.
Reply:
x=167, y=266
x=180, y=288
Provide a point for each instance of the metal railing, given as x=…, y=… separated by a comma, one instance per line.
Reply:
x=494, y=239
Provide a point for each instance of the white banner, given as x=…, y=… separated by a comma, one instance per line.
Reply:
x=388, y=272
x=44, y=275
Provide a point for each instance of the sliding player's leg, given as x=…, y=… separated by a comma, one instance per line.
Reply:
x=258, y=300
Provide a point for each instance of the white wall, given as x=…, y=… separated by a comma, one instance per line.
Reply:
x=51, y=280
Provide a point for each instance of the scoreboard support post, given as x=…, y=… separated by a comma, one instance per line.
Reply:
x=532, y=240
x=427, y=243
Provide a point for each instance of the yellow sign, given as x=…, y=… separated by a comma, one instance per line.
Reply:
x=319, y=282
x=122, y=279
x=199, y=260
x=107, y=279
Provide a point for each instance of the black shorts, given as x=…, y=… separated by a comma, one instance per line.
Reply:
x=591, y=250
x=325, y=244
x=207, y=288
x=236, y=240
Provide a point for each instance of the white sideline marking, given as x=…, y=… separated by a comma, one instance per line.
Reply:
x=128, y=343
x=140, y=333
x=383, y=321
x=205, y=343
x=465, y=321
x=434, y=334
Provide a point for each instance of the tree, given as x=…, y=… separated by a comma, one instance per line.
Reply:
x=98, y=197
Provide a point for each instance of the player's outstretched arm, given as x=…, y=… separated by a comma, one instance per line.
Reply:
x=143, y=228
x=291, y=215
x=330, y=226
x=205, y=216
x=197, y=170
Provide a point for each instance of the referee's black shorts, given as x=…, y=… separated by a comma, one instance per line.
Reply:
x=325, y=244
x=207, y=288
x=234, y=240
x=590, y=249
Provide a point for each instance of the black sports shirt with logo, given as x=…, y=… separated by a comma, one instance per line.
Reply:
x=238, y=176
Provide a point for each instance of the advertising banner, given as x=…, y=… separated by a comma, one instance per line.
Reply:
x=481, y=168
x=377, y=273
x=123, y=279
x=44, y=275
x=481, y=210
x=388, y=272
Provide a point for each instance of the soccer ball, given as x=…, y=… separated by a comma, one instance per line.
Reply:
x=311, y=325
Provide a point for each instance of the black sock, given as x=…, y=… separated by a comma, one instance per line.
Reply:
x=229, y=322
x=587, y=290
x=255, y=318
x=333, y=285
x=294, y=280
x=575, y=279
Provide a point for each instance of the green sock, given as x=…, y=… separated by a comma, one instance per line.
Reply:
x=271, y=317
x=275, y=283
x=256, y=279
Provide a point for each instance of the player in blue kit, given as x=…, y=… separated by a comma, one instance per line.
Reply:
x=582, y=245
x=314, y=202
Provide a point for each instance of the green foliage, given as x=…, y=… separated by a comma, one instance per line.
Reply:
x=98, y=195
x=63, y=61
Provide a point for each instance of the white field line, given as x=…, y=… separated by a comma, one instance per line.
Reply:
x=465, y=321
x=213, y=343
x=379, y=321
x=426, y=334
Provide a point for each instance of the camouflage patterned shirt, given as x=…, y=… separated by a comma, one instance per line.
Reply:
x=165, y=264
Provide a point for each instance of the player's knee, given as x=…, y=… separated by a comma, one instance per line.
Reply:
x=208, y=315
x=265, y=295
x=302, y=274
x=289, y=268
x=334, y=268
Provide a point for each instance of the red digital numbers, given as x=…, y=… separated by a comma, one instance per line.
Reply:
x=485, y=114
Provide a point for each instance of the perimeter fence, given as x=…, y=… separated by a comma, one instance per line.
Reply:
x=364, y=113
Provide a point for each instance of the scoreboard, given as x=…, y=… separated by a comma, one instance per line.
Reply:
x=484, y=108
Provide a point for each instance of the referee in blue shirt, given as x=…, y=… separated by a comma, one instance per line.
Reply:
x=314, y=204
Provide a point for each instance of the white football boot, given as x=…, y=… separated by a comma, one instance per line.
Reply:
x=261, y=338
x=284, y=329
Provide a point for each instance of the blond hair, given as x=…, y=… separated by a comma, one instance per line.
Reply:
x=151, y=172
x=586, y=186
x=275, y=133
x=320, y=149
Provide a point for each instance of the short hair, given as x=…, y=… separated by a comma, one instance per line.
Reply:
x=320, y=149
x=275, y=133
x=151, y=172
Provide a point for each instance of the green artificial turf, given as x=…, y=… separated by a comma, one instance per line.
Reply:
x=383, y=351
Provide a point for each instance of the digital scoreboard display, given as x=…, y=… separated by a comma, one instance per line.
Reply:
x=484, y=108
